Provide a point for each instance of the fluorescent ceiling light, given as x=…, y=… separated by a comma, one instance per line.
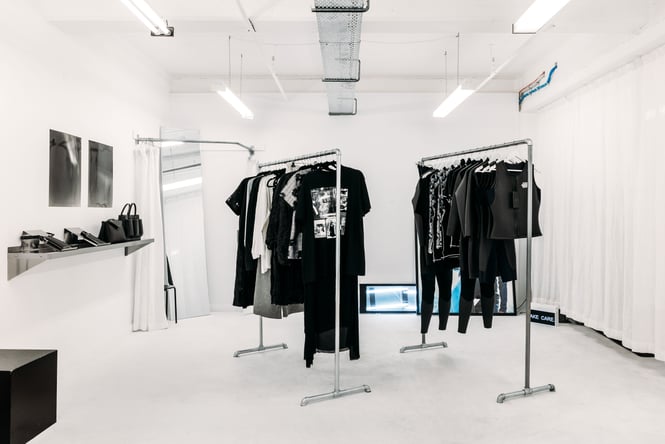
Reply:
x=182, y=184
x=235, y=102
x=149, y=17
x=539, y=13
x=452, y=101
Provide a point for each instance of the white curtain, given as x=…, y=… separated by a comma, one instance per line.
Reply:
x=149, y=312
x=602, y=161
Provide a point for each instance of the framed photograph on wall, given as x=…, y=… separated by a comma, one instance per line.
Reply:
x=100, y=175
x=64, y=170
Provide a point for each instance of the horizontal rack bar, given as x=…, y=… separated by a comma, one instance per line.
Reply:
x=478, y=150
x=297, y=158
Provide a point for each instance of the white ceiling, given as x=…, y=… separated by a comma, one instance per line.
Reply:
x=402, y=48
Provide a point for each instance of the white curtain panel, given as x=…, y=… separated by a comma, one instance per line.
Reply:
x=602, y=161
x=148, y=311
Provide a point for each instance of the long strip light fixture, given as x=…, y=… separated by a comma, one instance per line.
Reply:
x=539, y=13
x=143, y=11
x=236, y=103
x=455, y=98
x=451, y=102
x=230, y=97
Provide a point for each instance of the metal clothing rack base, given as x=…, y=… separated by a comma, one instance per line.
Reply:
x=527, y=390
x=261, y=348
x=336, y=392
x=423, y=346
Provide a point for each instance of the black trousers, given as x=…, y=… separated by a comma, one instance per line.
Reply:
x=467, y=293
x=320, y=317
x=443, y=274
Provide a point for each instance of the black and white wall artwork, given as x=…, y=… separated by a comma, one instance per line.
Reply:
x=100, y=175
x=64, y=170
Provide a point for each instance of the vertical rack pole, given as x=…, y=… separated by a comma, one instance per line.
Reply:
x=261, y=332
x=338, y=262
x=529, y=244
x=337, y=392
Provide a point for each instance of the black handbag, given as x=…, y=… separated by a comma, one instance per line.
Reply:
x=112, y=231
x=132, y=223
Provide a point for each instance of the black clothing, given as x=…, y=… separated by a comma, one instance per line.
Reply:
x=421, y=203
x=320, y=317
x=509, y=208
x=438, y=264
x=444, y=278
x=305, y=205
x=466, y=303
x=487, y=211
x=250, y=262
x=245, y=279
x=315, y=218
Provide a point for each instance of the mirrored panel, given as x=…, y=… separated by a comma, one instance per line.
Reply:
x=100, y=175
x=64, y=170
x=184, y=229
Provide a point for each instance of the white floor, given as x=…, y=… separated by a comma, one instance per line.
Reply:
x=183, y=386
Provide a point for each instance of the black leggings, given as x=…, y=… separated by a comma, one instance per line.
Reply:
x=444, y=277
x=466, y=303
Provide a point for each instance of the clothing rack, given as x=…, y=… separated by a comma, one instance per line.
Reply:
x=260, y=348
x=336, y=392
x=249, y=148
x=527, y=390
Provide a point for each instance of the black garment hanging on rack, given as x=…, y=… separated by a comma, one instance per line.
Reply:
x=243, y=203
x=509, y=207
x=431, y=269
x=487, y=212
x=316, y=219
x=245, y=280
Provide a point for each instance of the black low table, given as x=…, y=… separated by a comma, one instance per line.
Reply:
x=28, y=388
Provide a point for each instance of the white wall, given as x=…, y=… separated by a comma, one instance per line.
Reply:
x=94, y=90
x=601, y=155
x=389, y=134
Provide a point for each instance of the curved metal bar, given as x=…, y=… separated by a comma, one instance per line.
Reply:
x=249, y=148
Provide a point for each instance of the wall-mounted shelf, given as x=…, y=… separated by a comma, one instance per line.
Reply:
x=19, y=261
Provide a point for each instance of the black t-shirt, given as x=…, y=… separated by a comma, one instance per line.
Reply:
x=315, y=218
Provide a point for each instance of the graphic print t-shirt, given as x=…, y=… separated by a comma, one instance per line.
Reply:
x=315, y=217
